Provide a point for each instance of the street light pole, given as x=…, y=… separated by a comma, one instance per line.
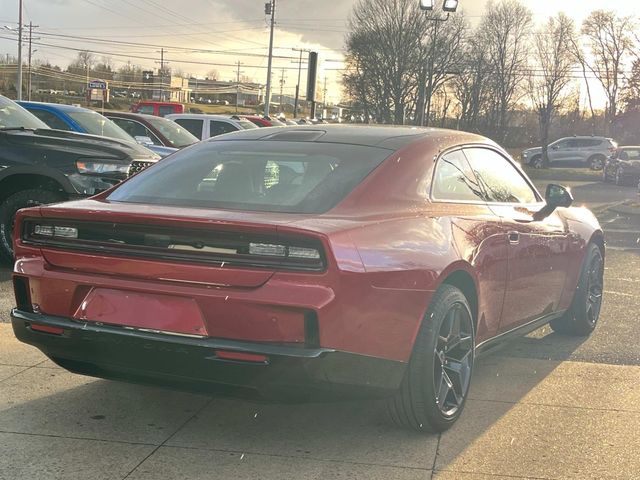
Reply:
x=295, y=104
x=31, y=27
x=270, y=8
x=19, y=86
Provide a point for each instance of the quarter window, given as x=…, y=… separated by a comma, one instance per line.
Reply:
x=454, y=179
x=498, y=178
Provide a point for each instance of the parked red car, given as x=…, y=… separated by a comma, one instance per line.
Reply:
x=159, y=109
x=264, y=121
x=313, y=262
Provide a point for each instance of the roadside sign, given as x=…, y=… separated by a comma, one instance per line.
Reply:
x=147, y=76
x=98, y=84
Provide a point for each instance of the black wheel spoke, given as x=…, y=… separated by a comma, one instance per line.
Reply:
x=453, y=359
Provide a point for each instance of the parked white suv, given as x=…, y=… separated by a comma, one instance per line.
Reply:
x=204, y=126
x=573, y=152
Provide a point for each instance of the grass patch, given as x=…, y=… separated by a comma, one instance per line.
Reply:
x=566, y=174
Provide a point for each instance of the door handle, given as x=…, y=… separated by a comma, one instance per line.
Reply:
x=514, y=237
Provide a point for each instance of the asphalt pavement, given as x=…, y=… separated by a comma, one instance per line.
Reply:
x=546, y=406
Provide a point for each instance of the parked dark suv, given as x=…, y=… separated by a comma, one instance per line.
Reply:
x=39, y=165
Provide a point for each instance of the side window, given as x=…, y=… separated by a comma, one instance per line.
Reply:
x=454, y=180
x=135, y=129
x=166, y=110
x=192, y=125
x=146, y=109
x=218, y=128
x=132, y=128
x=50, y=119
x=498, y=178
x=561, y=144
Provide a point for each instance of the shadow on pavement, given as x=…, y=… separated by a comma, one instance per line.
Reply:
x=49, y=401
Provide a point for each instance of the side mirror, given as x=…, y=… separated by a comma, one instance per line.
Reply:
x=143, y=140
x=556, y=196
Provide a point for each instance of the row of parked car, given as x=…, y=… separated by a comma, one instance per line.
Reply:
x=620, y=164
x=52, y=152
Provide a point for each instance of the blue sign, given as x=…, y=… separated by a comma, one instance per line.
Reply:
x=98, y=84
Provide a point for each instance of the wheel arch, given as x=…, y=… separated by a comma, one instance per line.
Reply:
x=598, y=239
x=464, y=280
x=14, y=180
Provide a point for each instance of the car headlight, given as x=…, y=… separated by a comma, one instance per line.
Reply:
x=99, y=167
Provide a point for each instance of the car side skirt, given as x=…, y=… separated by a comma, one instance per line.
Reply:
x=521, y=330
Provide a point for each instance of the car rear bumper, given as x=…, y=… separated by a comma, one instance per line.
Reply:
x=289, y=373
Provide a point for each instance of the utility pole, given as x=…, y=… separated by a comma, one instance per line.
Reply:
x=324, y=93
x=161, y=72
x=295, y=103
x=282, y=82
x=270, y=9
x=19, y=86
x=238, y=72
x=31, y=27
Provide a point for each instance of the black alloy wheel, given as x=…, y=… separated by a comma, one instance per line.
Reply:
x=436, y=382
x=453, y=360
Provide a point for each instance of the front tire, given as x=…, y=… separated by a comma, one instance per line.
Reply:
x=436, y=383
x=581, y=318
x=8, y=209
x=536, y=162
x=620, y=180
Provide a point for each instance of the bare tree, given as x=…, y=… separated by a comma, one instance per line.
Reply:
x=469, y=86
x=551, y=72
x=609, y=41
x=504, y=33
x=383, y=51
x=440, y=55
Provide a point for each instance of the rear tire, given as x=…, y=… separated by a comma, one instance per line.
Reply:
x=581, y=318
x=596, y=162
x=8, y=209
x=436, y=383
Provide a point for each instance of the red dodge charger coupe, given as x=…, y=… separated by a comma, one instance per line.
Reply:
x=300, y=263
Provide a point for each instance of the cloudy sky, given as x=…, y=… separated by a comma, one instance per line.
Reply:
x=221, y=32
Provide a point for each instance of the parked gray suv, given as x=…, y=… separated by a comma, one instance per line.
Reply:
x=589, y=152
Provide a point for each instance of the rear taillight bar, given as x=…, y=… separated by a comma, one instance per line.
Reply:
x=224, y=247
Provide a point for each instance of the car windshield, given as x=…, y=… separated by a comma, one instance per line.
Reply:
x=13, y=115
x=295, y=177
x=96, y=124
x=176, y=134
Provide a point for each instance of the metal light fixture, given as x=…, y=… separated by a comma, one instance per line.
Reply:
x=450, y=5
x=427, y=4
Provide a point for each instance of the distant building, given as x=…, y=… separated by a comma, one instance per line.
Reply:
x=217, y=91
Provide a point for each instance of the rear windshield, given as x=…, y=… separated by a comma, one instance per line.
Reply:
x=266, y=176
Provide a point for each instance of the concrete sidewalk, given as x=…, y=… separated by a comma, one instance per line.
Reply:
x=526, y=418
